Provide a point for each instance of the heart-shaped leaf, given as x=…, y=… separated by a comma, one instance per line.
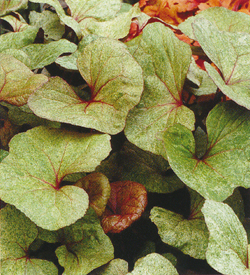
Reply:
x=84, y=245
x=97, y=187
x=17, y=81
x=225, y=164
x=35, y=167
x=12, y=5
x=165, y=61
x=153, y=263
x=127, y=202
x=115, y=81
x=229, y=52
x=227, y=249
x=17, y=234
x=134, y=164
x=189, y=235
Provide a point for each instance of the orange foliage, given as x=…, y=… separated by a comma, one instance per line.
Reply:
x=176, y=11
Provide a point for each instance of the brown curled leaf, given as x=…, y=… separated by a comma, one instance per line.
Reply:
x=98, y=188
x=126, y=204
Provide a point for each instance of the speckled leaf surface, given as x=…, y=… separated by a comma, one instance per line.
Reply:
x=114, y=267
x=165, y=61
x=225, y=164
x=188, y=235
x=115, y=82
x=3, y=154
x=12, y=5
x=17, y=82
x=38, y=161
x=230, y=53
x=17, y=234
x=228, y=246
x=153, y=264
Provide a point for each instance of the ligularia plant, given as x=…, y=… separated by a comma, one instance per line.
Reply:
x=124, y=149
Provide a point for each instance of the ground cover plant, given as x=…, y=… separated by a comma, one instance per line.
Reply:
x=125, y=137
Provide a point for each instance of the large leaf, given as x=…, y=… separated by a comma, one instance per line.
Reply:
x=228, y=246
x=84, y=245
x=189, y=235
x=115, y=81
x=49, y=22
x=225, y=164
x=126, y=204
x=225, y=20
x=165, y=61
x=35, y=167
x=153, y=264
x=134, y=164
x=12, y=5
x=17, y=81
x=17, y=234
x=230, y=53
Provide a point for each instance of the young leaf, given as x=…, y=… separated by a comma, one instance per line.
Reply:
x=127, y=202
x=189, y=235
x=153, y=264
x=165, y=61
x=17, y=234
x=17, y=81
x=97, y=187
x=85, y=246
x=12, y=5
x=227, y=249
x=134, y=164
x=229, y=52
x=35, y=167
x=225, y=164
x=115, y=81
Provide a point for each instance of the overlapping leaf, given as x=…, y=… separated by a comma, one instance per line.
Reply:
x=134, y=164
x=17, y=234
x=17, y=22
x=165, y=61
x=127, y=202
x=225, y=164
x=12, y=5
x=84, y=245
x=228, y=246
x=3, y=154
x=189, y=235
x=153, y=264
x=33, y=171
x=17, y=81
x=115, y=81
x=114, y=267
x=230, y=53
x=97, y=187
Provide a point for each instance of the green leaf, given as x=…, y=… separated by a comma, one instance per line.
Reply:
x=41, y=55
x=115, y=82
x=189, y=235
x=17, y=81
x=85, y=246
x=165, y=61
x=227, y=248
x=49, y=22
x=17, y=40
x=3, y=154
x=17, y=234
x=134, y=164
x=153, y=264
x=17, y=22
x=225, y=20
x=225, y=164
x=229, y=52
x=117, y=27
x=23, y=115
x=12, y=5
x=35, y=167
x=114, y=267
